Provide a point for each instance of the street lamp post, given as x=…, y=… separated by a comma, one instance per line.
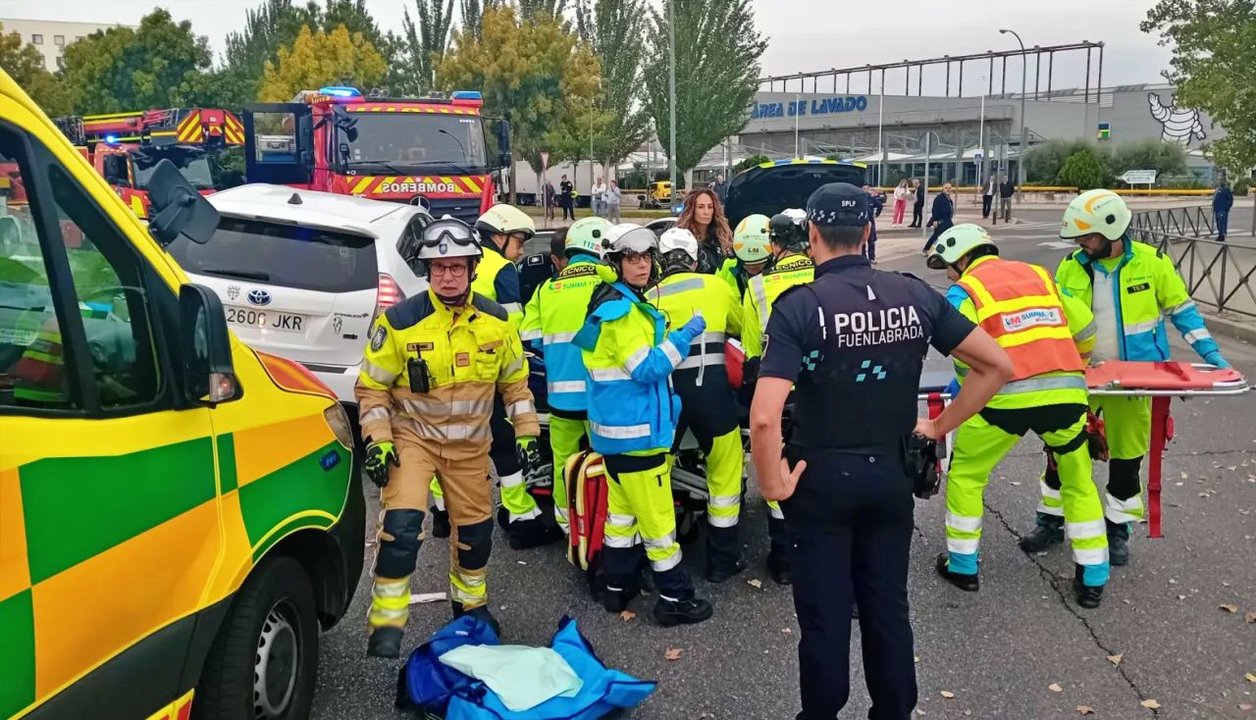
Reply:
x=1024, y=146
x=671, y=94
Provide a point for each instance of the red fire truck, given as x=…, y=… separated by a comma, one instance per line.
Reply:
x=438, y=152
x=126, y=147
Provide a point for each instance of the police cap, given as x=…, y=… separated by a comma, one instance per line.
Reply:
x=839, y=205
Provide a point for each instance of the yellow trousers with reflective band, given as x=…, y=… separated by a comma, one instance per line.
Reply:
x=979, y=446
x=1127, y=422
x=640, y=511
x=724, y=466
x=565, y=435
x=515, y=498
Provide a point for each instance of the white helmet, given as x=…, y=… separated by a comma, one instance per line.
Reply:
x=586, y=235
x=633, y=239
x=505, y=219
x=1096, y=211
x=676, y=238
x=447, y=238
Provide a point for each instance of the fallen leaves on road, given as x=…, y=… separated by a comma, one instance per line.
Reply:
x=1116, y=659
x=1055, y=687
x=755, y=583
x=1251, y=677
x=1230, y=608
x=1151, y=704
x=672, y=653
x=1185, y=476
x=1245, y=707
x=786, y=631
x=917, y=658
x=1085, y=710
x=1250, y=617
x=1015, y=483
x=627, y=615
x=948, y=694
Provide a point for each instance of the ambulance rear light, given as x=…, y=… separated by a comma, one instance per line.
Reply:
x=389, y=293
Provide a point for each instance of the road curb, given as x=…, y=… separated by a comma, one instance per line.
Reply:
x=1241, y=330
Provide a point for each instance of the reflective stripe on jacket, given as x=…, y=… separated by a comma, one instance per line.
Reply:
x=497, y=279
x=763, y=290
x=682, y=295
x=551, y=320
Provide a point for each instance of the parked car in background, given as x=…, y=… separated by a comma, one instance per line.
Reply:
x=302, y=274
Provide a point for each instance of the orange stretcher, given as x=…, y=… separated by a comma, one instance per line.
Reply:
x=1161, y=381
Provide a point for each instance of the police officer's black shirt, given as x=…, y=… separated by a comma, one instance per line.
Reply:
x=856, y=364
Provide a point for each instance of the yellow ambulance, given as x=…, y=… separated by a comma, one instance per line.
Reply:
x=180, y=515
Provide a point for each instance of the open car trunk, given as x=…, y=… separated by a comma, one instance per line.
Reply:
x=769, y=190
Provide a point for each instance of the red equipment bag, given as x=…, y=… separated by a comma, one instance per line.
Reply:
x=734, y=363
x=585, y=477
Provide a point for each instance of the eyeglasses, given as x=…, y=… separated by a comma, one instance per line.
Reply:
x=454, y=271
x=522, y=237
x=638, y=256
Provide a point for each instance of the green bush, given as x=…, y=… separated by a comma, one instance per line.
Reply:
x=750, y=162
x=1044, y=162
x=1083, y=170
x=1151, y=154
x=1242, y=186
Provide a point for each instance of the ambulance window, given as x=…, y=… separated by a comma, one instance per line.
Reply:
x=35, y=366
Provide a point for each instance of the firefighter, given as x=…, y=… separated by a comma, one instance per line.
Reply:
x=430, y=371
x=1130, y=287
x=790, y=266
x=552, y=317
x=1049, y=337
x=503, y=230
x=701, y=382
x=628, y=359
x=750, y=253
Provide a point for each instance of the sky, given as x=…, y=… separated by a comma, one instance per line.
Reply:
x=803, y=35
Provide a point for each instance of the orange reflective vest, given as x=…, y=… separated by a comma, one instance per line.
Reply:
x=1018, y=304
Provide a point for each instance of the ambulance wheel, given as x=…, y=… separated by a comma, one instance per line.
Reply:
x=264, y=661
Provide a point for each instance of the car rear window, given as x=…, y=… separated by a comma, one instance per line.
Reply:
x=283, y=255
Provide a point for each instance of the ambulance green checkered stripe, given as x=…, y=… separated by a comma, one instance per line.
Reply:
x=76, y=508
x=227, y=463
x=17, y=653
x=299, y=486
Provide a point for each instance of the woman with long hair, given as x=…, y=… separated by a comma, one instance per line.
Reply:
x=900, y=201
x=704, y=217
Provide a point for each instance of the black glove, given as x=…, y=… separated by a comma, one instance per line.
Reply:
x=378, y=457
x=921, y=455
x=529, y=454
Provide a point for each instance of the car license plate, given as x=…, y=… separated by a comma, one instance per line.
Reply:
x=266, y=319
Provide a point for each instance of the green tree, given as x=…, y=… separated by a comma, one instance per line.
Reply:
x=1083, y=170
x=1043, y=162
x=533, y=10
x=321, y=58
x=274, y=24
x=615, y=29
x=423, y=44
x=473, y=14
x=1214, y=53
x=751, y=162
x=538, y=74
x=1150, y=154
x=160, y=64
x=717, y=72
x=25, y=65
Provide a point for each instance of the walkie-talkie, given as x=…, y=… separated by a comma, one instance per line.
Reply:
x=419, y=380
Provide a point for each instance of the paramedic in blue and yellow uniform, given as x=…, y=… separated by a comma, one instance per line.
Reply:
x=854, y=342
x=629, y=358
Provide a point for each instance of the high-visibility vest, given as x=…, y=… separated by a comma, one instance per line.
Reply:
x=1018, y=305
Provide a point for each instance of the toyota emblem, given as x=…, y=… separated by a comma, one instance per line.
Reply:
x=259, y=297
x=422, y=202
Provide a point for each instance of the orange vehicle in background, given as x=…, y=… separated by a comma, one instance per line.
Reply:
x=126, y=147
x=437, y=152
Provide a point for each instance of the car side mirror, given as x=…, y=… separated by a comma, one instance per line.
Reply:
x=205, y=345
x=178, y=209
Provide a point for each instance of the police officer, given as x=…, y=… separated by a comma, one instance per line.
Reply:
x=503, y=230
x=629, y=360
x=1049, y=336
x=551, y=320
x=854, y=342
x=1131, y=287
x=790, y=267
x=701, y=382
x=425, y=391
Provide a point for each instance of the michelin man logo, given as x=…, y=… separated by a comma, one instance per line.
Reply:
x=1181, y=126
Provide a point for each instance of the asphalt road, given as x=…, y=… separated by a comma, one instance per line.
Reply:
x=1162, y=633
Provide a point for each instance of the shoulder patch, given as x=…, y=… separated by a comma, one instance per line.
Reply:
x=409, y=312
x=378, y=337
x=488, y=307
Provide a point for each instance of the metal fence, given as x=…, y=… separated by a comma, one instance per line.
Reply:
x=1218, y=274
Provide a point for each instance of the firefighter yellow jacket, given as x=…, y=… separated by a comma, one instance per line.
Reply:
x=470, y=352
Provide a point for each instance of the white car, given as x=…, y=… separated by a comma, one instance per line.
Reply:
x=302, y=274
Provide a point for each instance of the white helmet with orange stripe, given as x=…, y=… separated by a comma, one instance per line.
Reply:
x=1100, y=212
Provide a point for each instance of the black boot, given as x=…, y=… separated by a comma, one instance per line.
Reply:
x=723, y=556
x=1087, y=596
x=1118, y=543
x=779, y=568
x=682, y=612
x=385, y=642
x=967, y=583
x=525, y=534
x=1049, y=531
x=481, y=612
x=616, y=599
x=440, y=523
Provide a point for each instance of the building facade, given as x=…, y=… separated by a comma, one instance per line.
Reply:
x=50, y=37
